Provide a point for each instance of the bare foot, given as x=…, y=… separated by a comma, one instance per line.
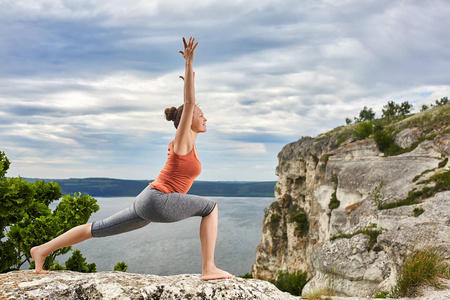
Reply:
x=216, y=273
x=39, y=259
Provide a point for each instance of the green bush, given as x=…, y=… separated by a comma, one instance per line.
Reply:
x=385, y=143
x=423, y=173
x=413, y=198
x=274, y=222
x=55, y=267
x=121, y=267
x=334, y=202
x=442, y=180
x=373, y=236
x=370, y=231
x=341, y=139
x=247, y=276
x=291, y=283
x=443, y=163
x=418, y=211
x=366, y=114
x=422, y=267
x=383, y=139
x=301, y=219
x=381, y=295
x=443, y=101
x=26, y=219
x=392, y=109
x=324, y=159
x=442, y=183
x=377, y=196
x=78, y=263
x=363, y=130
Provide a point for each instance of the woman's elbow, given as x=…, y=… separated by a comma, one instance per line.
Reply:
x=189, y=102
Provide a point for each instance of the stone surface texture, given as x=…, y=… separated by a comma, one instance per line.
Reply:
x=119, y=285
x=311, y=170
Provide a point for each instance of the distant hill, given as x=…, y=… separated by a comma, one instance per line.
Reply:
x=110, y=187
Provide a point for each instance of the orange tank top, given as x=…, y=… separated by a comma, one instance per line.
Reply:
x=179, y=172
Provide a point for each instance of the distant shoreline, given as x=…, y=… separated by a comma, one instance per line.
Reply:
x=111, y=187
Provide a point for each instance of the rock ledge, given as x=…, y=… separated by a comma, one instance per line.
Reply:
x=119, y=285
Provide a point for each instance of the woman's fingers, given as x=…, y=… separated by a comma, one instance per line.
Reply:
x=190, y=44
x=189, y=48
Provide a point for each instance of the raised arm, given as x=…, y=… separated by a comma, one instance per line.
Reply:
x=184, y=139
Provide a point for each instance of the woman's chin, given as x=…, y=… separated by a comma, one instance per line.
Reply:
x=200, y=130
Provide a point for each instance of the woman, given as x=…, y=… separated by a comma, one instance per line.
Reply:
x=165, y=199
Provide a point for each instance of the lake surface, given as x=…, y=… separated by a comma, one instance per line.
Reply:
x=174, y=248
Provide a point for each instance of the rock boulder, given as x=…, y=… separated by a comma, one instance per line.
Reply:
x=119, y=285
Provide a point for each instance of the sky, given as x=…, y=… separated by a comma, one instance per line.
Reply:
x=84, y=84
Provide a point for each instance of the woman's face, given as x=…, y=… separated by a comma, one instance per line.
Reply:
x=198, y=121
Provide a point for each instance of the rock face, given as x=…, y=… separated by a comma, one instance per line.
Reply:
x=119, y=285
x=326, y=220
x=407, y=137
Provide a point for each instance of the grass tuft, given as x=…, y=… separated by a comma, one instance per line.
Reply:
x=318, y=294
x=443, y=163
x=418, y=211
x=370, y=231
x=274, y=222
x=334, y=202
x=247, y=276
x=442, y=183
x=292, y=283
x=422, y=267
x=381, y=295
x=299, y=216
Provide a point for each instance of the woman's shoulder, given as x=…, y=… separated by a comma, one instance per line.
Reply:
x=181, y=148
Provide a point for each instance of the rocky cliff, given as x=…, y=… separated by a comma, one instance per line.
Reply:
x=341, y=212
x=119, y=285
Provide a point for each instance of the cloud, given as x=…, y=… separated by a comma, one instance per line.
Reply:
x=85, y=84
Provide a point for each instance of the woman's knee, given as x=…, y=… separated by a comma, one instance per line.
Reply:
x=214, y=212
x=88, y=228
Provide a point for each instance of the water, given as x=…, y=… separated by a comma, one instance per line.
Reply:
x=174, y=248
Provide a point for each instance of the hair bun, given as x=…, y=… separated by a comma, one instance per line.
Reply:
x=171, y=113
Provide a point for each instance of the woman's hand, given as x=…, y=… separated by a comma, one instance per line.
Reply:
x=189, y=49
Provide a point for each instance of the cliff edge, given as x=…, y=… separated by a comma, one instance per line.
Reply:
x=119, y=285
x=349, y=210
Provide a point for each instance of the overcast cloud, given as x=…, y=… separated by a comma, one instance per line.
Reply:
x=84, y=83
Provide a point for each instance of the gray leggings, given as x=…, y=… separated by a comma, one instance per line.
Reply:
x=153, y=206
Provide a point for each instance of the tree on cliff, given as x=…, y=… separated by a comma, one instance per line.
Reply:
x=26, y=219
x=366, y=114
x=443, y=101
x=392, y=109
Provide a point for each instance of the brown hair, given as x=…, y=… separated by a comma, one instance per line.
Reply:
x=174, y=114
